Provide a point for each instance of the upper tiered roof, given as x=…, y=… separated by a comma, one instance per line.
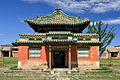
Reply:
x=57, y=21
x=60, y=37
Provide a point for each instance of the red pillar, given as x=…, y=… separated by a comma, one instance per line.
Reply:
x=70, y=67
x=50, y=58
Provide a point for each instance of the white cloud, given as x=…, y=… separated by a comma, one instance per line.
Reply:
x=109, y=6
x=95, y=6
x=112, y=21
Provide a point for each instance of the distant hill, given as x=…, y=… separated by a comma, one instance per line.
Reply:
x=117, y=46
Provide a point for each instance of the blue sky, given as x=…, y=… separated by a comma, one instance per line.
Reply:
x=14, y=12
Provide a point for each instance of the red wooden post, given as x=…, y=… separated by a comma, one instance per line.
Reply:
x=50, y=58
x=69, y=53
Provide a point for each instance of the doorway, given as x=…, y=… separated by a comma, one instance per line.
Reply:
x=59, y=59
x=114, y=54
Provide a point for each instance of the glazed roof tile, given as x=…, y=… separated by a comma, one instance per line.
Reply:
x=60, y=41
x=57, y=17
x=58, y=32
x=29, y=42
x=90, y=42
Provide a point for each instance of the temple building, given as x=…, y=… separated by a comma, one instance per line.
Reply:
x=114, y=52
x=58, y=43
x=8, y=51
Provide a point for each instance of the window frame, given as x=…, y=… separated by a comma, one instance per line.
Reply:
x=78, y=52
x=33, y=53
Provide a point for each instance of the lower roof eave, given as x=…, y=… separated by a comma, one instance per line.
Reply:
x=88, y=44
x=28, y=44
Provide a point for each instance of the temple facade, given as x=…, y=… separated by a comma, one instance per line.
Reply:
x=8, y=51
x=114, y=52
x=58, y=43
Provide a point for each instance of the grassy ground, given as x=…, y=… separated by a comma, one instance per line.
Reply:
x=9, y=61
x=22, y=78
x=100, y=78
x=107, y=61
x=104, y=70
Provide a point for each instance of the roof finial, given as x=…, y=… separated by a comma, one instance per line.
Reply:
x=57, y=5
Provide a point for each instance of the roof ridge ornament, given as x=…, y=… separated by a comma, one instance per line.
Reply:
x=58, y=9
x=57, y=5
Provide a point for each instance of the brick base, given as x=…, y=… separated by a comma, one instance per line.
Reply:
x=34, y=65
x=88, y=64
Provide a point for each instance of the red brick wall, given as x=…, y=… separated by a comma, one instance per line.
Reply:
x=44, y=59
x=23, y=54
x=44, y=54
x=91, y=60
x=27, y=62
x=93, y=53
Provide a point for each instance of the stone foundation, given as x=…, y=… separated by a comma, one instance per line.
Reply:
x=34, y=65
x=88, y=65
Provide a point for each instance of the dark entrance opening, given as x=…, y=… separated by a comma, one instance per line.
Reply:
x=59, y=59
x=5, y=53
x=114, y=54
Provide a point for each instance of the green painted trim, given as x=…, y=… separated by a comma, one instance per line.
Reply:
x=24, y=37
x=90, y=42
x=33, y=34
x=59, y=33
x=60, y=41
x=29, y=42
x=56, y=23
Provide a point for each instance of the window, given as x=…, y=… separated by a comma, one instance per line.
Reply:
x=34, y=52
x=114, y=54
x=83, y=52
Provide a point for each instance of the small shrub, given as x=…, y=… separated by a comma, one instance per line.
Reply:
x=102, y=68
x=14, y=68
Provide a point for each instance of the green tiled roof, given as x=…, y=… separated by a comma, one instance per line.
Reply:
x=89, y=42
x=33, y=35
x=54, y=33
x=82, y=35
x=59, y=32
x=56, y=20
x=60, y=41
x=29, y=42
x=41, y=38
x=54, y=41
x=63, y=33
x=57, y=17
x=52, y=22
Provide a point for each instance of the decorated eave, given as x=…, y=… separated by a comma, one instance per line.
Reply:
x=39, y=43
x=58, y=20
x=58, y=33
x=42, y=38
